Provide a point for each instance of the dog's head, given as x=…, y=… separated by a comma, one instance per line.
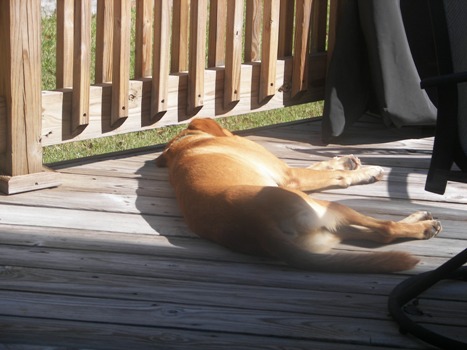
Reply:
x=196, y=127
x=209, y=126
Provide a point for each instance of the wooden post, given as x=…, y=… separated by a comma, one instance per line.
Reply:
x=20, y=84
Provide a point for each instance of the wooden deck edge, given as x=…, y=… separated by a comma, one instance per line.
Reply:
x=24, y=183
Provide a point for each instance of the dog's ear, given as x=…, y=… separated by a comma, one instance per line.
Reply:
x=209, y=126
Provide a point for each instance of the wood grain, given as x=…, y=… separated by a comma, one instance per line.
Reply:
x=270, y=38
x=81, y=65
x=121, y=62
x=64, y=48
x=301, y=46
x=180, y=25
x=197, y=55
x=107, y=259
x=57, y=104
x=218, y=31
x=286, y=28
x=233, y=61
x=104, y=41
x=253, y=25
x=143, y=37
x=20, y=81
x=161, y=59
x=116, y=106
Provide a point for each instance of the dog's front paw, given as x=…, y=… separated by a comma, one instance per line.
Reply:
x=365, y=175
x=349, y=162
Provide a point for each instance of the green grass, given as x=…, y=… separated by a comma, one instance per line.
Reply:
x=48, y=52
x=80, y=149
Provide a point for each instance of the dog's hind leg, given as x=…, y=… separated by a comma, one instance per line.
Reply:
x=298, y=228
x=353, y=225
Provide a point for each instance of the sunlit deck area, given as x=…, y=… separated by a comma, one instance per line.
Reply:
x=105, y=261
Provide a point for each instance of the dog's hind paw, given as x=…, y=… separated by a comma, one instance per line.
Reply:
x=433, y=229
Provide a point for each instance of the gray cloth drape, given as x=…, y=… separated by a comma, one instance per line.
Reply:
x=373, y=67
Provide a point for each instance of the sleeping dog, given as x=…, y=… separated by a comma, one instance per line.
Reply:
x=234, y=192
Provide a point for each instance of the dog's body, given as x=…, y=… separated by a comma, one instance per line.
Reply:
x=236, y=193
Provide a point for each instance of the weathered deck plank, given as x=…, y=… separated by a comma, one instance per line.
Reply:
x=105, y=261
x=115, y=336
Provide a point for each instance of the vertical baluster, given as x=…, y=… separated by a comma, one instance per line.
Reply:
x=286, y=27
x=104, y=40
x=233, y=58
x=161, y=60
x=180, y=28
x=302, y=31
x=143, y=50
x=267, y=85
x=64, y=48
x=253, y=16
x=121, y=60
x=217, y=32
x=197, y=55
x=81, y=64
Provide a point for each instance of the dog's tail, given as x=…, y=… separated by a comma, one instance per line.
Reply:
x=288, y=251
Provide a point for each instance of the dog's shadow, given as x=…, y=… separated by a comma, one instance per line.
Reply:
x=155, y=200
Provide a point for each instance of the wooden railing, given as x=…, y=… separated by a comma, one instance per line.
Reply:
x=259, y=54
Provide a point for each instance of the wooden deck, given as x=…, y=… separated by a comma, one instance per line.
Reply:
x=105, y=261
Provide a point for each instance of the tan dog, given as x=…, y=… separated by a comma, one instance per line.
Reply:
x=236, y=193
